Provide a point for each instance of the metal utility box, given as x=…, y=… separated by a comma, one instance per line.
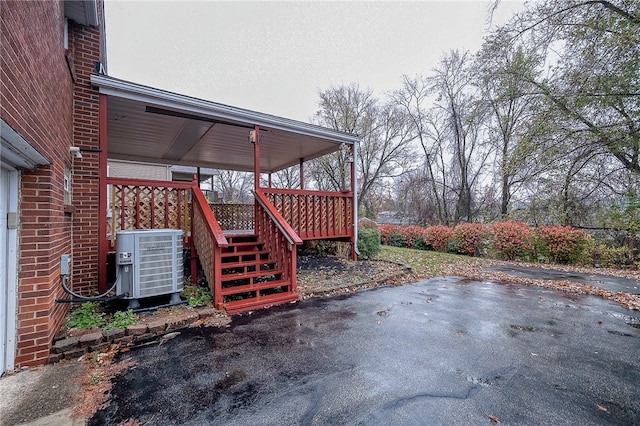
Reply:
x=149, y=263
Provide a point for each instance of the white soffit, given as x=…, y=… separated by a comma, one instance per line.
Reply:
x=16, y=152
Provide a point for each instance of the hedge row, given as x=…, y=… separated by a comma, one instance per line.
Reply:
x=508, y=240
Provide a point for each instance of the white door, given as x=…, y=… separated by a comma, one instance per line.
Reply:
x=8, y=268
x=4, y=209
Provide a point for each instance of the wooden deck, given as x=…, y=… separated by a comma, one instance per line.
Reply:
x=247, y=251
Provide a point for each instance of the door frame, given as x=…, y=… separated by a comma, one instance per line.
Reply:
x=9, y=283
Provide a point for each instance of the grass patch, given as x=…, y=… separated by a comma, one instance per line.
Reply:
x=425, y=264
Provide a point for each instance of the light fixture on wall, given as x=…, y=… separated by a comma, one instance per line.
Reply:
x=75, y=151
x=252, y=136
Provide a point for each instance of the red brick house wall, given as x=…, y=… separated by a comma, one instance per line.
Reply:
x=86, y=173
x=38, y=101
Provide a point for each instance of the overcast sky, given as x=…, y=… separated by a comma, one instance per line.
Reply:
x=274, y=57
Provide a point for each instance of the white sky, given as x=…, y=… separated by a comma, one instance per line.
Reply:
x=274, y=57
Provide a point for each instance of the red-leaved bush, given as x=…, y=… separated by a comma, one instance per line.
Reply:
x=470, y=239
x=561, y=244
x=367, y=223
x=387, y=232
x=508, y=240
x=511, y=240
x=437, y=237
x=412, y=235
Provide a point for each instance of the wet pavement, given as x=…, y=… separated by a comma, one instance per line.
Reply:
x=442, y=351
x=606, y=282
x=40, y=396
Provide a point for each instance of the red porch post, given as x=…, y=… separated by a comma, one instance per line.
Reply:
x=195, y=183
x=302, y=174
x=354, y=254
x=255, y=139
x=103, y=249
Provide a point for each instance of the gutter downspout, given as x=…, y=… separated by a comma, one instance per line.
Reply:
x=354, y=184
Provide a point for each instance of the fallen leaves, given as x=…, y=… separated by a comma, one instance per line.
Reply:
x=99, y=371
x=339, y=276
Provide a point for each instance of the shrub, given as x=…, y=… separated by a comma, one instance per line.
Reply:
x=470, y=239
x=606, y=256
x=367, y=223
x=437, y=237
x=368, y=242
x=387, y=231
x=392, y=235
x=412, y=235
x=397, y=240
x=511, y=240
x=561, y=244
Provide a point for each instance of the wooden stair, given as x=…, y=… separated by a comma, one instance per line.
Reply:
x=250, y=278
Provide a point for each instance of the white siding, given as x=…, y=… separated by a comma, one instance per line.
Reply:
x=137, y=170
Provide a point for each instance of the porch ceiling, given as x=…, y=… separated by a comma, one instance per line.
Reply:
x=152, y=125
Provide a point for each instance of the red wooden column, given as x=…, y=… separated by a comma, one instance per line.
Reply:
x=195, y=185
x=302, y=174
x=354, y=255
x=255, y=139
x=102, y=195
x=353, y=169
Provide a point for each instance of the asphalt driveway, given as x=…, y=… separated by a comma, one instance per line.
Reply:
x=624, y=285
x=442, y=351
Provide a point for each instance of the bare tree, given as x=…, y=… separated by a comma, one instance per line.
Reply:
x=463, y=130
x=384, y=149
x=285, y=178
x=503, y=75
x=234, y=186
x=413, y=97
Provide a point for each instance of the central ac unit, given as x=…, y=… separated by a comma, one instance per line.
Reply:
x=149, y=263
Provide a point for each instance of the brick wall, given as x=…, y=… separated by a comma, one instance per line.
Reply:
x=86, y=172
x=37, y=101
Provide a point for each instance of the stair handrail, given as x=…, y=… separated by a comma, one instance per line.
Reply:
x=288, y=232
x=214, y=227
x=210, y=246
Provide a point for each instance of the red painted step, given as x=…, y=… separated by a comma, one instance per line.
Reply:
x=261, y=302
x=253, y=274
x=226, y=291
x=242, y=263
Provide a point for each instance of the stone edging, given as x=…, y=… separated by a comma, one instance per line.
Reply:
x=98, y=341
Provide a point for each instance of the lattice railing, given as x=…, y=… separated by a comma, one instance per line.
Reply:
x=234, y=216
x=279, y=238
x=314, y=214
x=144, y=204
x=208, y=241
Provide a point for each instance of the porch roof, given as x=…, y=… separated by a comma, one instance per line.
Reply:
x=153, y=125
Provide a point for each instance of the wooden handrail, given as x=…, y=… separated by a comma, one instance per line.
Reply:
x=214, y=227
x=345, y=194
x=291, y=235
x=149, y=182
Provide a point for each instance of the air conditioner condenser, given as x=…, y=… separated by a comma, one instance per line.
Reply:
x=149, y=262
